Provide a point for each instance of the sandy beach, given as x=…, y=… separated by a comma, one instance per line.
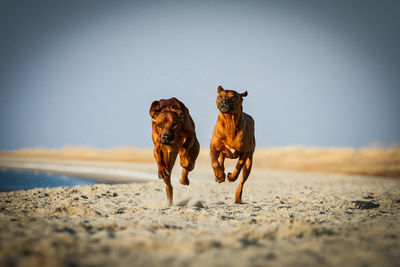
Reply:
x=98, y=99
x=289, y=218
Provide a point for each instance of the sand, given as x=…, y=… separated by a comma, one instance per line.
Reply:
x=289, y=219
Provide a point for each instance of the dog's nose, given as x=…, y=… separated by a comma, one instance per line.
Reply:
x=166, y=138
x=225, y=101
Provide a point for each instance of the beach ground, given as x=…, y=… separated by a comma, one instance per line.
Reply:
x=288, y=218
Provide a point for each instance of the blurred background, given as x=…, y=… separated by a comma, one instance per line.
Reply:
x=318, y=73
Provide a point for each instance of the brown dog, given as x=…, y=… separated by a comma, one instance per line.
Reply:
x=233, y=137
x=173, y=133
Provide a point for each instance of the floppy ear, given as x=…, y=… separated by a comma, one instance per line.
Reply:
x=220, y=89
x=154, y=109
x=178, y=110
x=243, y=94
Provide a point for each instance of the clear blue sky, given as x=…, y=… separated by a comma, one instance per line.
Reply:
x=318, y=73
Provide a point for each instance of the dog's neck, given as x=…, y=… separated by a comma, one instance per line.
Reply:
x=231, y=121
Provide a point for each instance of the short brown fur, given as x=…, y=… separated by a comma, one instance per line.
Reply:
x=170, y=117
x=233, y=137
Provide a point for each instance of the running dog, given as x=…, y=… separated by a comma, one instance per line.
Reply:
x=233, y=137
x=173, y=133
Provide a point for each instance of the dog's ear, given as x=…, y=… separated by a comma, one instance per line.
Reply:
x=154, y=109
x=244, y=94
x=220, y=89
x=178, y=110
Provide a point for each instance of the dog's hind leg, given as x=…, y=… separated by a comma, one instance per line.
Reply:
x=245, y=175
x=234, y=175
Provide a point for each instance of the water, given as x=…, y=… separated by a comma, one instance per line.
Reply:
x=17, y=180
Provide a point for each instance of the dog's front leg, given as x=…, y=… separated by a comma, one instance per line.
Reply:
x=168, y=190
x=188, y=143
x=169, y=160
x=233, y=176
x=218, y=168
x=159, y=157
x=187, y=162
x=245, y=175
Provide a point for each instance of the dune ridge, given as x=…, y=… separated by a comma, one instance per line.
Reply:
x=372, y=161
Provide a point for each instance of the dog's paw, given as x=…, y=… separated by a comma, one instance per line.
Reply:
x=163, y=173
x=238, y=201
x=220, y=178
x=184, y=181
x=230, y=178
x=168, y=204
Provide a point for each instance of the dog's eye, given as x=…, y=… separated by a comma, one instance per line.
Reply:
x=159, y=125
x=174, y=125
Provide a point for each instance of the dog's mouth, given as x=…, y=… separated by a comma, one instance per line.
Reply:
x=167, y=142
x=224, y=108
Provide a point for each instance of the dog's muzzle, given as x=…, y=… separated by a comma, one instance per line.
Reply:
x=167, y=139
x=225, y=105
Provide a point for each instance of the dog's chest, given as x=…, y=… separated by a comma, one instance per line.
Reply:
x=234, y=143
x=232, y=150
x=234, y=137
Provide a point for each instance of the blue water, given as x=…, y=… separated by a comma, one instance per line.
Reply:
x=17, y=180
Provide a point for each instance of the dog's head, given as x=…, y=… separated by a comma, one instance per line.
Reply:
x=167, y=121
x=229, y=101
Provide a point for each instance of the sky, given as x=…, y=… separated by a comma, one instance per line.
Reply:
x=84, y=73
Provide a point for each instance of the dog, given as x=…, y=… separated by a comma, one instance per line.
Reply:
x=173, y=132
x=233, y=137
